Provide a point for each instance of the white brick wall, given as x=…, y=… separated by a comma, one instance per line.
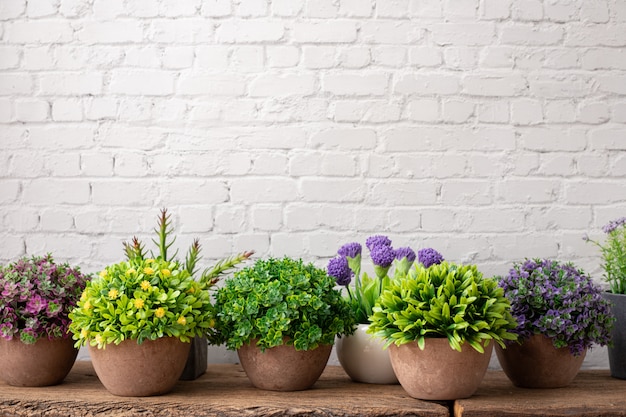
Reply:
x=490, y=129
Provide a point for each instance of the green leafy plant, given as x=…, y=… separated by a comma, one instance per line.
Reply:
x=280, y=301
x=149, y=297
x=614, y=254
x=445, y=300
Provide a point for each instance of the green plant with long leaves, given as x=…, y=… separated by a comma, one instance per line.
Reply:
x=614, y=254
x=280, y=301
x=148, y=297
x=445, y=300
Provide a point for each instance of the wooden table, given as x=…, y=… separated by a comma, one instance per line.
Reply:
x=225, y=391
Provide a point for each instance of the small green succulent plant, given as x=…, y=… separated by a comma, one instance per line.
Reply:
x=445, y=300
x=280, y=301
x=149, y=297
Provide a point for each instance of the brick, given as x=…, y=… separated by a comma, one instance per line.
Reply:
x=560, y=111
x=498, y=57
x=337, y=31
x=518, y=247
x=62, y=136
x=345, y=138
x=447, y=166
x=9, y=57
x=252, y=8
x=67, y=110
x=612, y=83
x=495, y=9
x=267, y=217
x=374, y=84
x=23, y=165
x=402, y=220
x=389, y=56
x=54, y=220
x=390, y=32
x=466, y=192
x=561, y=11
x=244, y=242
x=123, y=193
x=287, y=8
x=460, y=58
x=180, y=31
x=211, y=84
x=460, y=10
x=98, y=108
x=62, y=246
x=12, y=9
x=427, y=84
x=250, y=31
x=179, y=8
x=596, y=11
x=332, y=190
x=6, y=110
x=557, y=164
x=288, y=244
x=63, y=164
x=262, y=190
x=247, y=59
x=44, y=31
x=402, y=193
x=207, y=57
x=457, y=111
x=38, y=57
x=528, y=190
x=22, y=219
x=268, y=164
x=526, y=112
x=142, y=82
x=579, y=34
x=493, y=111
x=321, y=8
x=560, y=217
x=392, y=9
x=13, y=247
x=425, y=8
x=302, y=217
x=463, y=34
x=425, y=56
x=108, y=9
x=618, y=112
x=282, y=56
x=317, y=57
x=356, y=8
x=558, y=58
x=15, y=83
x=51, y=191
x=590, y=192
x=495, y=86
x=230, y=219
x=593, y=112
x=126, y=137
x=527, y=10
x=324, y=245
x=79, y=58
x=9, y=191
x=74, y=8
x=216, y=8
x=272, y=85
x=608, y=138
x=178, y=57
x=487, y=220
x=71, y=83
x=32, y=110
x=94, y=32
x=367, y=111
x=552, y=139
x=354, y=57
x=531, y=35
x=561, y=87
x=604, y=58
x=424, y=110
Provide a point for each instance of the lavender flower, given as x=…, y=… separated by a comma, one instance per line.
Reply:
x=559, y=301
x=377, y=240
x=338, y=269
x=613, y=224
x=383, y=256
x=404, y=260
x=429, y=256
x=350, y=250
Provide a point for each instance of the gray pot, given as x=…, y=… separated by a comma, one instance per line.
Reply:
x=617, y=353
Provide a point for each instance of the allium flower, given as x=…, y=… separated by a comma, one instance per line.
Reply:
x=429, y=256
x=559, y=301
x=338, y=269
x=407, y=253
x=350, y=250
x=377, y=240
x=383, y=255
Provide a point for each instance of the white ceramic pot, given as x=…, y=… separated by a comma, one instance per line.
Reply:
x=363, y=358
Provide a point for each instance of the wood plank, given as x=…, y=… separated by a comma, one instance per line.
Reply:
x=593, y=393
x=224, y=390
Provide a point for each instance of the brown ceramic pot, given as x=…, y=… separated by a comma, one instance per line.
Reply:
x=133, y=370
x=283, y=368
x=536, y=363
x=46, y=362
x=439, y=372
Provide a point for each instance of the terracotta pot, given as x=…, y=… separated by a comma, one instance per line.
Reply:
x=439, y=372
x=283, y=368
x=617, y=352
x=363, y=358
x=133, y=370
x=536, y=363
x=46, y=362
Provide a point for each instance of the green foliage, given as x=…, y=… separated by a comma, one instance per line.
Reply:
x=141, y=299
x=444, y=300
x=280, y=298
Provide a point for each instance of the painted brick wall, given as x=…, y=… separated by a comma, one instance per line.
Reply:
x=490, y=129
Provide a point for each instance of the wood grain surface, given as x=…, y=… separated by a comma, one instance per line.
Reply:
x=223, y=391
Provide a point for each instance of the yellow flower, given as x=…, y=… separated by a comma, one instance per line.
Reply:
x=84, y=333
x=130, y=272
x=159, y=312
x=166, y=272
x=149, y=261
x=145, y=285
x=99, y=339
x=87, y=305
x=113, y=293
x=138, y=303
x=181, y=320
x=103, y=273
x=148, y=270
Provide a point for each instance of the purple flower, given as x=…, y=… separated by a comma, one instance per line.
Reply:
x=377, y=240
x=338, y=269
x=613, y=224
x=350, y=250
x=429, y=256
x=407, y=253
x=382, y=255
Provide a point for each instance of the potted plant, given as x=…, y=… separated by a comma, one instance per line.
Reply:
x=36, y=296
x=439, y=323
x=281, y=315
x=614, y=264
x=362, y=355
x=560, y=314
x=146, y=311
